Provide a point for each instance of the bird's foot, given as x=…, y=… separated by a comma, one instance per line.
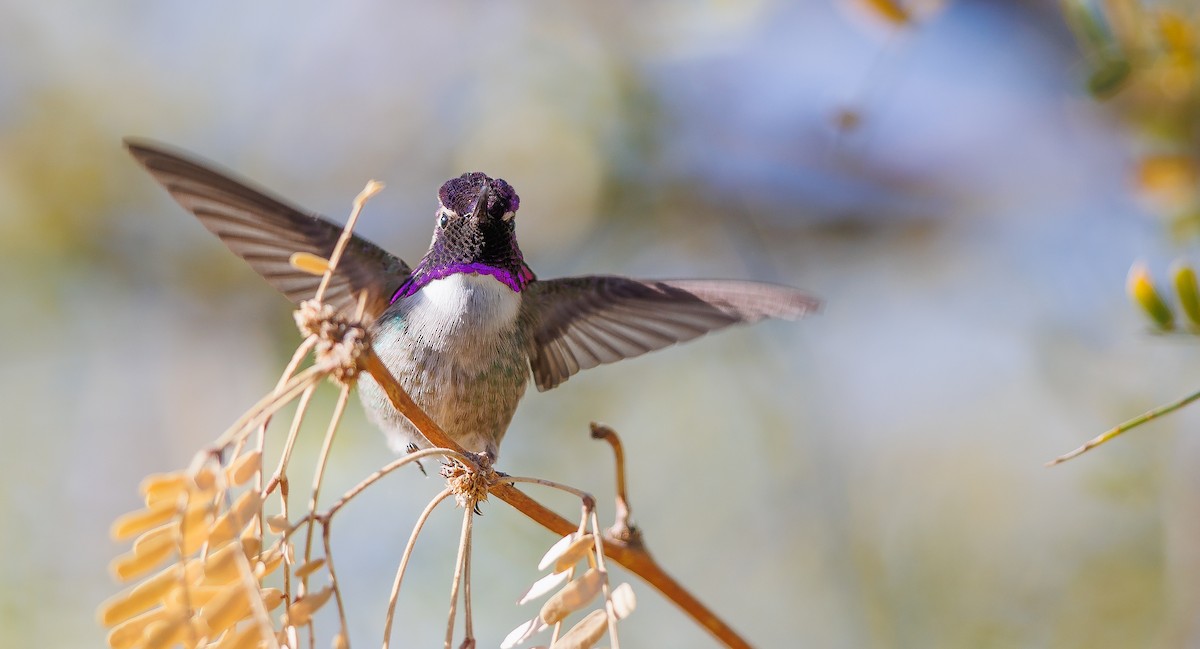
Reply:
x=412, y=448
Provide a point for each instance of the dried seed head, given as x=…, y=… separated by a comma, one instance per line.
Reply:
x=468, y=485
x=226, y=609
x=340, y=342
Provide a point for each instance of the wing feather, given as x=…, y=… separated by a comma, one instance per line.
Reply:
x=265, y=232
x=577, y=323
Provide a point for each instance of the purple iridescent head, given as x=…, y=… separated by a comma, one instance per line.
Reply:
x=475, y=233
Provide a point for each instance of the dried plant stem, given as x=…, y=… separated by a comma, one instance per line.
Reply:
x=1126, y=426
x=333, y=580
x=293, y=433
x=463, y=554
x=587, y=498
x=412, y=541
x=604, y=586
x=373, y=187
x=322, y=460
x=391, y=466
x=269, y=404
x=621, y=528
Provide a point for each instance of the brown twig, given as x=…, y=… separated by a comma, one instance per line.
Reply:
x=621, y=529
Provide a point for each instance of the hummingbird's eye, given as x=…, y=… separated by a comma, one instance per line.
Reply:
x=443, y=220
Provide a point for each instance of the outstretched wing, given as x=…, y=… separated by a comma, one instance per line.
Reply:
x=580, y=322
x=265, y=232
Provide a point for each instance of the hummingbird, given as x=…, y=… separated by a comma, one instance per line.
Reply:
x=464, y=329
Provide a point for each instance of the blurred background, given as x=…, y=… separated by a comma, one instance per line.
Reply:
x=965, y=184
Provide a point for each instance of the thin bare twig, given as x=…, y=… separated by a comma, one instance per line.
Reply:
x=412, y=541
x=333, y=580
x=463, y=545
x=1126, y=426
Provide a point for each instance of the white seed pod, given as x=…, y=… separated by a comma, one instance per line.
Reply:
x=556, y=551
x=543, y=586
x=523, y=632
x=572, y=597
x=585, y=634
x=571, y=555
x=623, y=601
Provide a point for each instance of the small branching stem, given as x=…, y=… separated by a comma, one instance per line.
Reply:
x=373, y=187
x=412, y=541
x=319, y=473
x=604, y=585
x=460, y=562
x=1125, y=427
x=390, y=467
x=333, y=580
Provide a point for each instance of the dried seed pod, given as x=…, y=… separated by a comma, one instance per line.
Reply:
x=166, y=632
x=278, y=523
x=226, y=609
x=543, y=586
x=623, y=601
x=523, y=632
x=136, y=522
x=221, y=566
x=163, y=486
x=205, y=479
x=241, y=514
x=268, y=562
x=193, y=597
x=128, y=634
x=247, y=638
x=585, y=634
x=141, y=597
x=301, y=611
x=309, y=263
x=556, y=551
x=578, y=549
x=271, y=598
x=307, y=569
x=572, y=597
x=244, y=468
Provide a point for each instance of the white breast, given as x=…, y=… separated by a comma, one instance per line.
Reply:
x=461, y=308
